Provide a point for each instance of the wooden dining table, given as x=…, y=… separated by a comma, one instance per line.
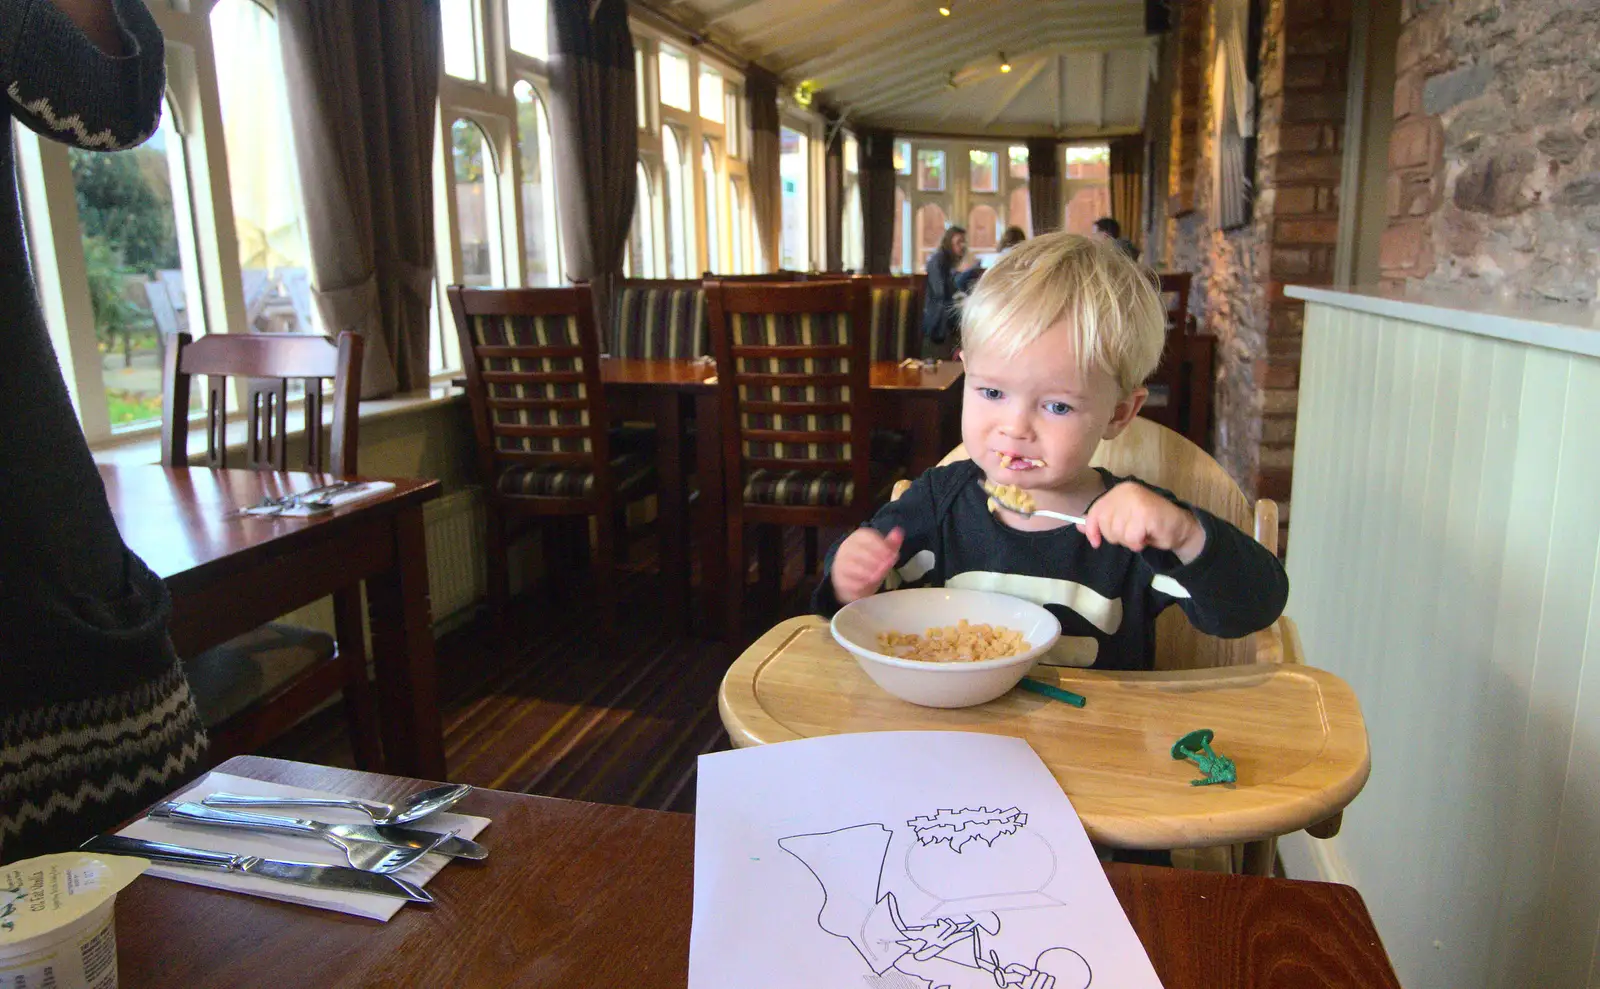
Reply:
x=578, y=895
x=1295, y=734
x=229, y=573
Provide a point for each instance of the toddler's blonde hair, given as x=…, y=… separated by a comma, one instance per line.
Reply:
x=1110, y=304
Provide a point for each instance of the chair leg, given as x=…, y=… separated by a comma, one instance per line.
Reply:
x=811, y=549
x=361, y=709
x=733, y=593
x=1259, y=857
x=769, y=567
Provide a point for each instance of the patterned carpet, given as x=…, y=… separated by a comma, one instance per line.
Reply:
x=544, y=711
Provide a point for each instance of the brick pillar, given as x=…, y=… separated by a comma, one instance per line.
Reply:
x=1301, y=158
x=1188, y=106
x=1416, y=150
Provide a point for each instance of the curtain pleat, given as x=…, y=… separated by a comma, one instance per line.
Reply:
x=1127, y=186
x=833, y=194
x=363, y=81
x=875, y=150
x=594, y=129
x=766, y=192
x=1044, y=185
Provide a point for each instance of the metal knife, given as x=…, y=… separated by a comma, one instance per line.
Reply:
x=392, y=835
x=333, y=877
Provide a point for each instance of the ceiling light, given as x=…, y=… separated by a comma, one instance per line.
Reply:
x=944, y=10
x=1005, y=66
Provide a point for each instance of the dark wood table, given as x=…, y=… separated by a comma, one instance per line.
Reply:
x=590, y=895
x=228, y=575
x=923, y=402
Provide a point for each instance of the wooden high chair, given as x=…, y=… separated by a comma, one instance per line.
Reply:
x=1154, y=453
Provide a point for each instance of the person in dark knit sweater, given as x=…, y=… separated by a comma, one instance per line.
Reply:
x=96, y=719
x=1057, y=340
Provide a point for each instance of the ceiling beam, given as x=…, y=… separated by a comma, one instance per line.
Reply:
x=885, y=95
x=914, y=128
x=869, y=47
x=731, y=10
x=1015, y=91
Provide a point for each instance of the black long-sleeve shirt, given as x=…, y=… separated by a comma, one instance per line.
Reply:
x=1106, y=599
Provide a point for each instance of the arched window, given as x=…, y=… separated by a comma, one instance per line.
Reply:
x=477, y=211
x=133, y=209
x=541, y=229
x=644, y=246
x=679, y=194
x=710, y=176
x=983, y=233
x=1019, y=211
x=262, y=174
x=1086, y=206
x=853, y=230
x=741, y=262
x=931, y=223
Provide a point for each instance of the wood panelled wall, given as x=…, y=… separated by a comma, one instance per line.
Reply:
x=1444, y=562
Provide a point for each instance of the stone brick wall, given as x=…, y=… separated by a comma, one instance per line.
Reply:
x=1241, y=273
x=1494, y=160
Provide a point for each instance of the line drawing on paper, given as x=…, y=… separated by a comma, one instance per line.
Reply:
x=975, y=864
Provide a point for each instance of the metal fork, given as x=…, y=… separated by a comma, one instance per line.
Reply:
x=368, y=856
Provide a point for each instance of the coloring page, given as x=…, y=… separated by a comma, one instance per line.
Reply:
x=900, y=860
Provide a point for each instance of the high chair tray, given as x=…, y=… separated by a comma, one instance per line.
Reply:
x=1294, y=732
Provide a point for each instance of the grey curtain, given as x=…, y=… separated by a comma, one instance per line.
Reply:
x=363, y=80
x=1127, y=186
x=766, y=192
x=876, y=151
x=1044, y=185
x=594, y=123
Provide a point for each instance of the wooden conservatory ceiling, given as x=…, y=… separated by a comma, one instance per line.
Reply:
x=1079, y=68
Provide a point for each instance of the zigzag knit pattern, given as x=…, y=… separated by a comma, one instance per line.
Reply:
x=71, y=770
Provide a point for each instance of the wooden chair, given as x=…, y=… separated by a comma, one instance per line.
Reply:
x=896, y=315
x=253, y=687
x=532, y=359
x=1154, y=453
x=1167, y=392
x=795, y=397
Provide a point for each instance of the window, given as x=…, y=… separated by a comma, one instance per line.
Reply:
x=527, y=23
x=983, y=228
x=853, y=229
x=540, y=227
x=1087, y=186
x=931, y=224
x=984, y=171
x=477, y=208
x=711, y=182
x=460, y=22
x=644, y=245
x=741, y=261
x=711, y=103
x=674, y=69
x=930, y=170
x=1086, y=206
x=128, y=214
x=679, y=194
x=1089, y=161
x=900, y=258
x=274, y=258
x=1019, y=161
x=640, y=85
x=733, y=116
x=1020, y=210
x=902, y=157
x=794, y=167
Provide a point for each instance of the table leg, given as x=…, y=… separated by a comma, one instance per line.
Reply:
x=925, y=418
x=670, y=501
x=710, y=534
x=402, y=646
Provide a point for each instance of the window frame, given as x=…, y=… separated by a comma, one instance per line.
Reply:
x=957, y=200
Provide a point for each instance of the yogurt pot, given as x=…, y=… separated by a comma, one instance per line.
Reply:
x=56, y=920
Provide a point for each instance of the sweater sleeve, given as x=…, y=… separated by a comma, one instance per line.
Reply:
x=914, y=513
x=1234, y=587
x=60, y=85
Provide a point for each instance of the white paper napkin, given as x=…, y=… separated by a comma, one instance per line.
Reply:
x=290, y=848
x=361, y=492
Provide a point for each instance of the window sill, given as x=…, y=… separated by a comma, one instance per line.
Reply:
x=145, y=447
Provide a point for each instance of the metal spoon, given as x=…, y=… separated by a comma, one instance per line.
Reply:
x=1030, y=513
x=415, y=808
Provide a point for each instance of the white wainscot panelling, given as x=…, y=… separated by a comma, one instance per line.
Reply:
x=1443, y=559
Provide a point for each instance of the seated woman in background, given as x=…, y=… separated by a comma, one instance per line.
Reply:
x=948, y=267
x=1011, y=237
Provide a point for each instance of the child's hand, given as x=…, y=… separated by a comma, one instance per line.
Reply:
x=864, y=559
x=1133, y=516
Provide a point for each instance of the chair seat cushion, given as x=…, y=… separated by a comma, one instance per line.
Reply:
x=814, y=489
x=630, y=471
x=228, y=678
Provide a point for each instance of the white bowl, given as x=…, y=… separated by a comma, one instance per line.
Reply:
x=857, y=626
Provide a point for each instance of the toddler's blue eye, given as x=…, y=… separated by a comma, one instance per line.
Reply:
x=992, y=394
x=1057, y=408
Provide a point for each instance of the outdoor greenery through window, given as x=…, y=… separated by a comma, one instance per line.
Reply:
x=1086, y=189
x=474, y=213
x=540, y=230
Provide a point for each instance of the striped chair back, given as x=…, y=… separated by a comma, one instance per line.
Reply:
x=896, y=316
x=533, y=378
x=792, y=367
x=659, y=318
